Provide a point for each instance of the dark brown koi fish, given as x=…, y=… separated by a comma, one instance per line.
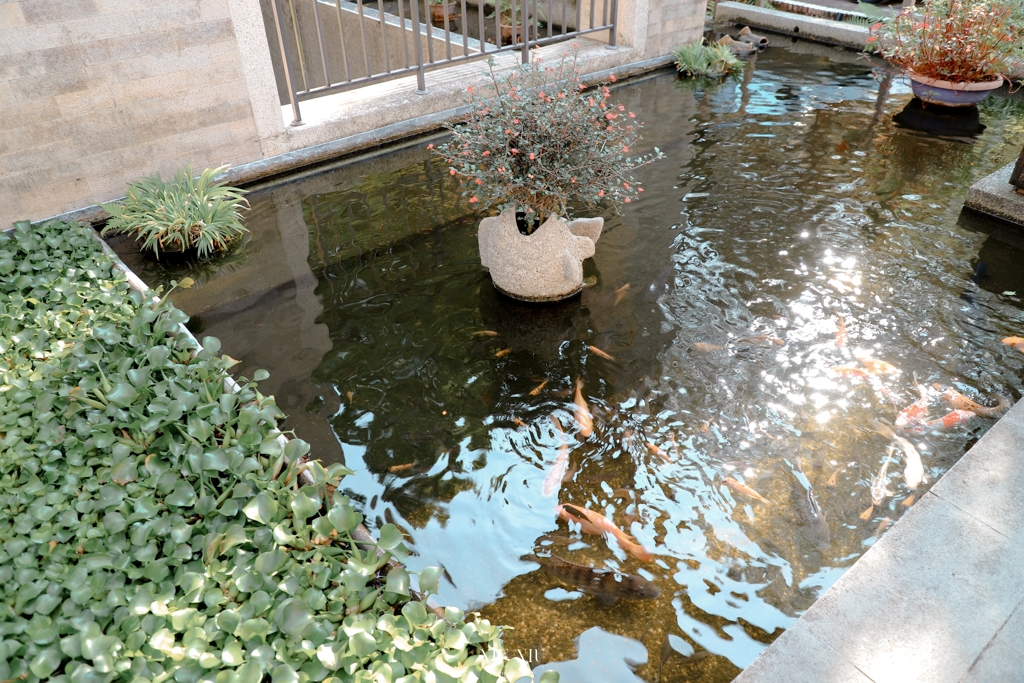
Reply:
x=607, y=585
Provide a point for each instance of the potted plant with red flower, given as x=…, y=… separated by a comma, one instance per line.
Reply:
x=532, y=143
x=954, y=51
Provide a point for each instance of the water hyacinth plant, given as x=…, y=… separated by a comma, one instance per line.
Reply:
x=154, y=525
x=179, y=215
x=539, y=139
x=698, y=60
x=961, y=41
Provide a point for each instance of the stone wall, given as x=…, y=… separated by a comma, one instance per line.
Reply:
x=94, y=93
x=673, y=23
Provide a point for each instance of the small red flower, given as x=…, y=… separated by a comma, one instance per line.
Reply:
x=487, y=152
x=601, y=193
x=612, y=78
x=626, y=200
x=430, y=146
x=474, y=200
x=532, y=156
x=479, y=182
x=625, y=149
x=451, y=171
x=514, y=150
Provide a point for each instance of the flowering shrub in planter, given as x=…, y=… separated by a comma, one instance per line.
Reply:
x=958, y=41
x=538, y=139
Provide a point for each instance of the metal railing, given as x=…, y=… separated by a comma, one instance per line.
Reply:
x=359, y=44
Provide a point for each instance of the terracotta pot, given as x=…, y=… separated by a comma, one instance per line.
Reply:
x=546, y=265
x=510, y=33
x=437, y=13
x=950, y=94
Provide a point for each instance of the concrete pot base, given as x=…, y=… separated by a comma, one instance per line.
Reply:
x=544, y=266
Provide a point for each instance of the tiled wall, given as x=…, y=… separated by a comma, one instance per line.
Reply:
x=673, y=23
x=95, y=93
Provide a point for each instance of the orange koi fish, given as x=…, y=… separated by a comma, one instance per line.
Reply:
x=394, y=469
x=761, y=339
x=878, y=367
x=598, y=352
x=952, y=419
x=1015, y=342
x=553, y=480
x=536, y=390
x=914, y=412
x=841, y=334
x=954, y=399
x=501, y=353
x=485, y=333
x=620, y=294
x=745, y=490
x=658, y=452
x=704, y=347
x=583, y=416
x=850, y=372
x=518, y=423
x=597, y=524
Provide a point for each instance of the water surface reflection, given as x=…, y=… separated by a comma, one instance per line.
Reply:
x=792, y=229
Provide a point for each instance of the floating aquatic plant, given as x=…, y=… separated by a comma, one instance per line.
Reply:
x=154, y=525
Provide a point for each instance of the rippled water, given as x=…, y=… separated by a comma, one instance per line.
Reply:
x=786, y=202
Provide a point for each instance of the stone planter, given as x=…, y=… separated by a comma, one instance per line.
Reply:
x=437, y=12
x=544, y=266
x=949, y=94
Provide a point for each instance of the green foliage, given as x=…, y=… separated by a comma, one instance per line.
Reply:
x=540, y=139
x=706, y=61
x=153, y=526
x=962, y=41
x=182, y=214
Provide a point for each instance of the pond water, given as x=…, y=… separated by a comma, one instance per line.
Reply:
x=789, y=205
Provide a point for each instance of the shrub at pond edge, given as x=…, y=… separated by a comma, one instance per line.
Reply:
x=152, y=524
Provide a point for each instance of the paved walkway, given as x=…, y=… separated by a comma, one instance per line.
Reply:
x=937, y=599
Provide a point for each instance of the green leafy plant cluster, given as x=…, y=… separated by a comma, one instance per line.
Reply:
x=538, y=139
x=179, y=215
x=962, y=41
x=154, y=524
x=706, y=61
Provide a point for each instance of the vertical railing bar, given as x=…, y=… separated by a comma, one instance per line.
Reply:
x=298, y=45
x=483, y=27
x=297, y=117
x=536, y=21
x=421, y=81
x=465, y=29
x=497, y=23
x=320, y=41
x=430, y=33
x=341, y=36
x=447, y=32
x=384, y=36
x=403, y=33
x=565, y=19
x=362, y=34
x=593, y=8
x=613, y=35
x=579, y=15
x=551, y=14
x=525, y=38
x=604, y=12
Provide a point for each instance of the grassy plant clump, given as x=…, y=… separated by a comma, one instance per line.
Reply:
x=154, y=525
x=179, y=215
x=697, y=60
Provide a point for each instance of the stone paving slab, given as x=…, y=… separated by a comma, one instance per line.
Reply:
x=995, y=196
x=939, y=598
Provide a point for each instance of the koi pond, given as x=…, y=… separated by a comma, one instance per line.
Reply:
x=796, y=269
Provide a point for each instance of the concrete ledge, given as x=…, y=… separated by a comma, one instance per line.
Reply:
x=940, y=598
x=840, y=33
x=995, y=196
